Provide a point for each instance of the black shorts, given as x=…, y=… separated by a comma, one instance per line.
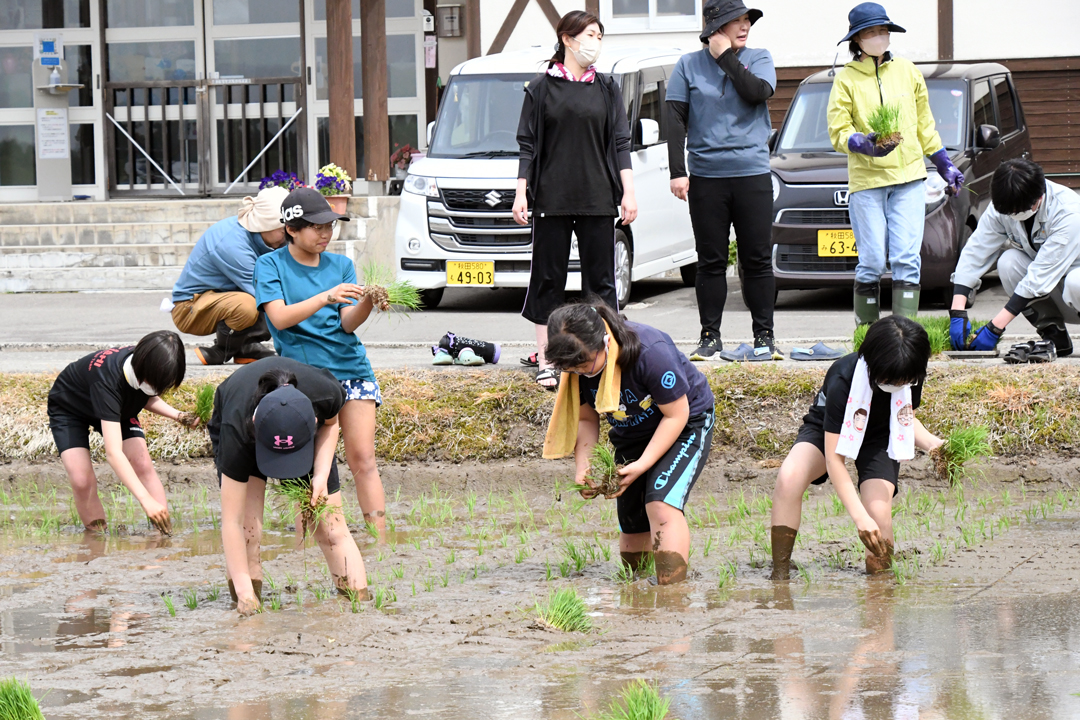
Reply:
x=237, y=459
x=671, y=479
x=333, y=482
x=69, y=431
x=873, y=460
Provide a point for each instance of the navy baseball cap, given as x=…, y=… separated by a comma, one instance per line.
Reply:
x=309, y=204
x=285, y=434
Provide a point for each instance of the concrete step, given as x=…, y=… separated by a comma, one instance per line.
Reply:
x=78, y=236
x=71, y=279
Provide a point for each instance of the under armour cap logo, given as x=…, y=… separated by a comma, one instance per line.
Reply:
x=295, y=211
x=278, y=442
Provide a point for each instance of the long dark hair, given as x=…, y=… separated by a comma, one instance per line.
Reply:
x=269, y=381
x=576, y=331
x=573, y=24
x=896, y=350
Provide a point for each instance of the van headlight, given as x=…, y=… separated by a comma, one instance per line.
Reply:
x=934, y=188
x=420, y=185
x=775, y=187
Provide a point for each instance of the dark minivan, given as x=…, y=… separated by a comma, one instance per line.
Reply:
x=981, y=123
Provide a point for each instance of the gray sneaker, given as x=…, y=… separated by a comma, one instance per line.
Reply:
x=708, y=346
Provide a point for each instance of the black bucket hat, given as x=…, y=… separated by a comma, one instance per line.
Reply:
x=718, y=13
x=868, y=14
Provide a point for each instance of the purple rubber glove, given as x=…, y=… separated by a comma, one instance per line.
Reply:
x=954, y=179
x=865, y=145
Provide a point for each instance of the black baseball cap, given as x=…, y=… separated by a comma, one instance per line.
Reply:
x=285, y=434
x=309, y=204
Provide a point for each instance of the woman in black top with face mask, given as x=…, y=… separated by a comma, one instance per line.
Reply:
x=575, y=167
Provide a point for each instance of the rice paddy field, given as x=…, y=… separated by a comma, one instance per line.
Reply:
x=497, y=592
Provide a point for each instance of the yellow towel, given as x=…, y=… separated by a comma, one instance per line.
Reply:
x=562, y=428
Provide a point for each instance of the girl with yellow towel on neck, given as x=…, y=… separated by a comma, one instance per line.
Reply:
x=661, y=412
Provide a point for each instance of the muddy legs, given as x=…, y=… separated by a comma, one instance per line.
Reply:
x=634, y=561
x=256, y=586
x=783, y=542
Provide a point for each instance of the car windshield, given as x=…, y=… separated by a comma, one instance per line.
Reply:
x=479, y=116
x=807, y=127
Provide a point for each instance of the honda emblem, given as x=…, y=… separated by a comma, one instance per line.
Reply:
x=840, y=197
x=493, y=198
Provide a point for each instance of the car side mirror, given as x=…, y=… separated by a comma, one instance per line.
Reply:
x=989, y=137
x=430, y=132
x=650, y=132
x=773, y=135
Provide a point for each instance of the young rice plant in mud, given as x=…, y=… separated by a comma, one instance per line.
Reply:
x=603, y=472
x=637, y=701
x=384, y=291
x=204, y=402
x=564, y=610
x=959, y=447
x=170, y=605
x=17, y=702
x=885, y=123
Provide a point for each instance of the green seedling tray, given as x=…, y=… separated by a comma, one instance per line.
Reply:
x=970, y=354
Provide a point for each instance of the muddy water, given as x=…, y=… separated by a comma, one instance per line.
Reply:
x=992, y=630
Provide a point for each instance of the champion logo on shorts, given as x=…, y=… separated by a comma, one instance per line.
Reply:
x=283, y=443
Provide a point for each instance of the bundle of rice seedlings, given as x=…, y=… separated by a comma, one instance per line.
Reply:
x=885, y=123
x=204, y=402
x=564, y=610
x=603, y=471
x=959, y=447
x=640, y=701
x=298, y=492
x=17, y=702
x=384, y=290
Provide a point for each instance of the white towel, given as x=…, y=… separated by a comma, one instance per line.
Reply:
x=901, y=418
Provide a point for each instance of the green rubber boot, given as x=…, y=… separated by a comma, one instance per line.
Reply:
x=867, y=305
x=905, y=299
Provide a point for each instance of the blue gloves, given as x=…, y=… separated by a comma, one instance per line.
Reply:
x=987, y=338
x=959, y=329
x=865, y=145
x=954, y=179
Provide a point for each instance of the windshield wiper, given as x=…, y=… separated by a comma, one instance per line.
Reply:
x=491, y=154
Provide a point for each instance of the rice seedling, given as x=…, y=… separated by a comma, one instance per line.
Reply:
x=384, y=290
x=297, y=494
x=603, y=472
x=727, y=570
x=17, y=702
x=519, y=556
x=354, y=600
x=637, y=701
x=884, y=122
x=170, y=605
x=275, y=601
x=399, y=571
x=564, y=567
x=564, y=610
x=959, y=447
x=859, y=335
x=452, y=557
x=320, y=592
x=429, y=584
x=204, y=402
x=445, y=579
x=213, y=593
x=573, y=554
x=300, y=598
x=191, y=599
x=805, y=572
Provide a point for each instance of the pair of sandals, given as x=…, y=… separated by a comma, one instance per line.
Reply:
x=547, y=375
x=1032, y=351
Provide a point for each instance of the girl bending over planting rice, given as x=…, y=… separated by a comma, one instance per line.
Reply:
x=314, y=305
x=278, y=418
x=864, y=411
x=660, y=410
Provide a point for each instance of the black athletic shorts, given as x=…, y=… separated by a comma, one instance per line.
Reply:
x=873, y=460
x=69, y=431
x=671, y=479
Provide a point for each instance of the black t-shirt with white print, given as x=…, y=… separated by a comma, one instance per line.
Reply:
x=829, y=406
x=662, y=375
x=94, y=388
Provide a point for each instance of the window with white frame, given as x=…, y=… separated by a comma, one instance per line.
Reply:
x=628, y=16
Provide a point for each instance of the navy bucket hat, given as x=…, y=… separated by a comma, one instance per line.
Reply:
x=868, y=14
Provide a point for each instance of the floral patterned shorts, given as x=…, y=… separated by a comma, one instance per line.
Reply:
x=362, y=390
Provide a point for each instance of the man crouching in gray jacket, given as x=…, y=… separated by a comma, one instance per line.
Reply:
x=1032, y=231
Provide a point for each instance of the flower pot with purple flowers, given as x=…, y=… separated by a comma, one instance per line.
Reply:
x=335, y=185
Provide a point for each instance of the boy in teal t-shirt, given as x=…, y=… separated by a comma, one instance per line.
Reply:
x=314, y=306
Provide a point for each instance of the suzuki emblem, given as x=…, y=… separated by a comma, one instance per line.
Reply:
x=840, y=197
x=493, y=198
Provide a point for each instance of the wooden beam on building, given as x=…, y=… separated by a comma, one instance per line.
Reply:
x=508, y=26
x=472, y=28
x=945, y=30
x=339, y=51
x=376, y=120
x=551, y=13
x=593, y=6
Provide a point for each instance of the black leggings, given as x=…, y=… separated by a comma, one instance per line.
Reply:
x=551, y=258
x=716, y=203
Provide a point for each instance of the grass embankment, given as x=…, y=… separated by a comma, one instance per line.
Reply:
x=452, y=417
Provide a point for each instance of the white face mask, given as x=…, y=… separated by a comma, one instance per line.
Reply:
x=133, y=381
x=875, y=46
x=588, y=51
x=892, y=388
x=1022, y=216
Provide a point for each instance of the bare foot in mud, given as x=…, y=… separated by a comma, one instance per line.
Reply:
x=670, y=567
x=97, y=526
x=248, y=606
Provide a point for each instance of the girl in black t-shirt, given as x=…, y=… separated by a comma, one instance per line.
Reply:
x=106, y=391
x=865, y=411
x=661, y=411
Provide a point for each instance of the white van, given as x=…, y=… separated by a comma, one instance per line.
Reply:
x=455, y=228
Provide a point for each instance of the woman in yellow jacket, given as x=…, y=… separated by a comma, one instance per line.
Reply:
x=885, y=177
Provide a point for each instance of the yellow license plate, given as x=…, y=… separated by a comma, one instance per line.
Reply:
x=477, y=274
x=836, y=243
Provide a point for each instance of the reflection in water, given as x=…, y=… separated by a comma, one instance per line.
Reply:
x=73, y=626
